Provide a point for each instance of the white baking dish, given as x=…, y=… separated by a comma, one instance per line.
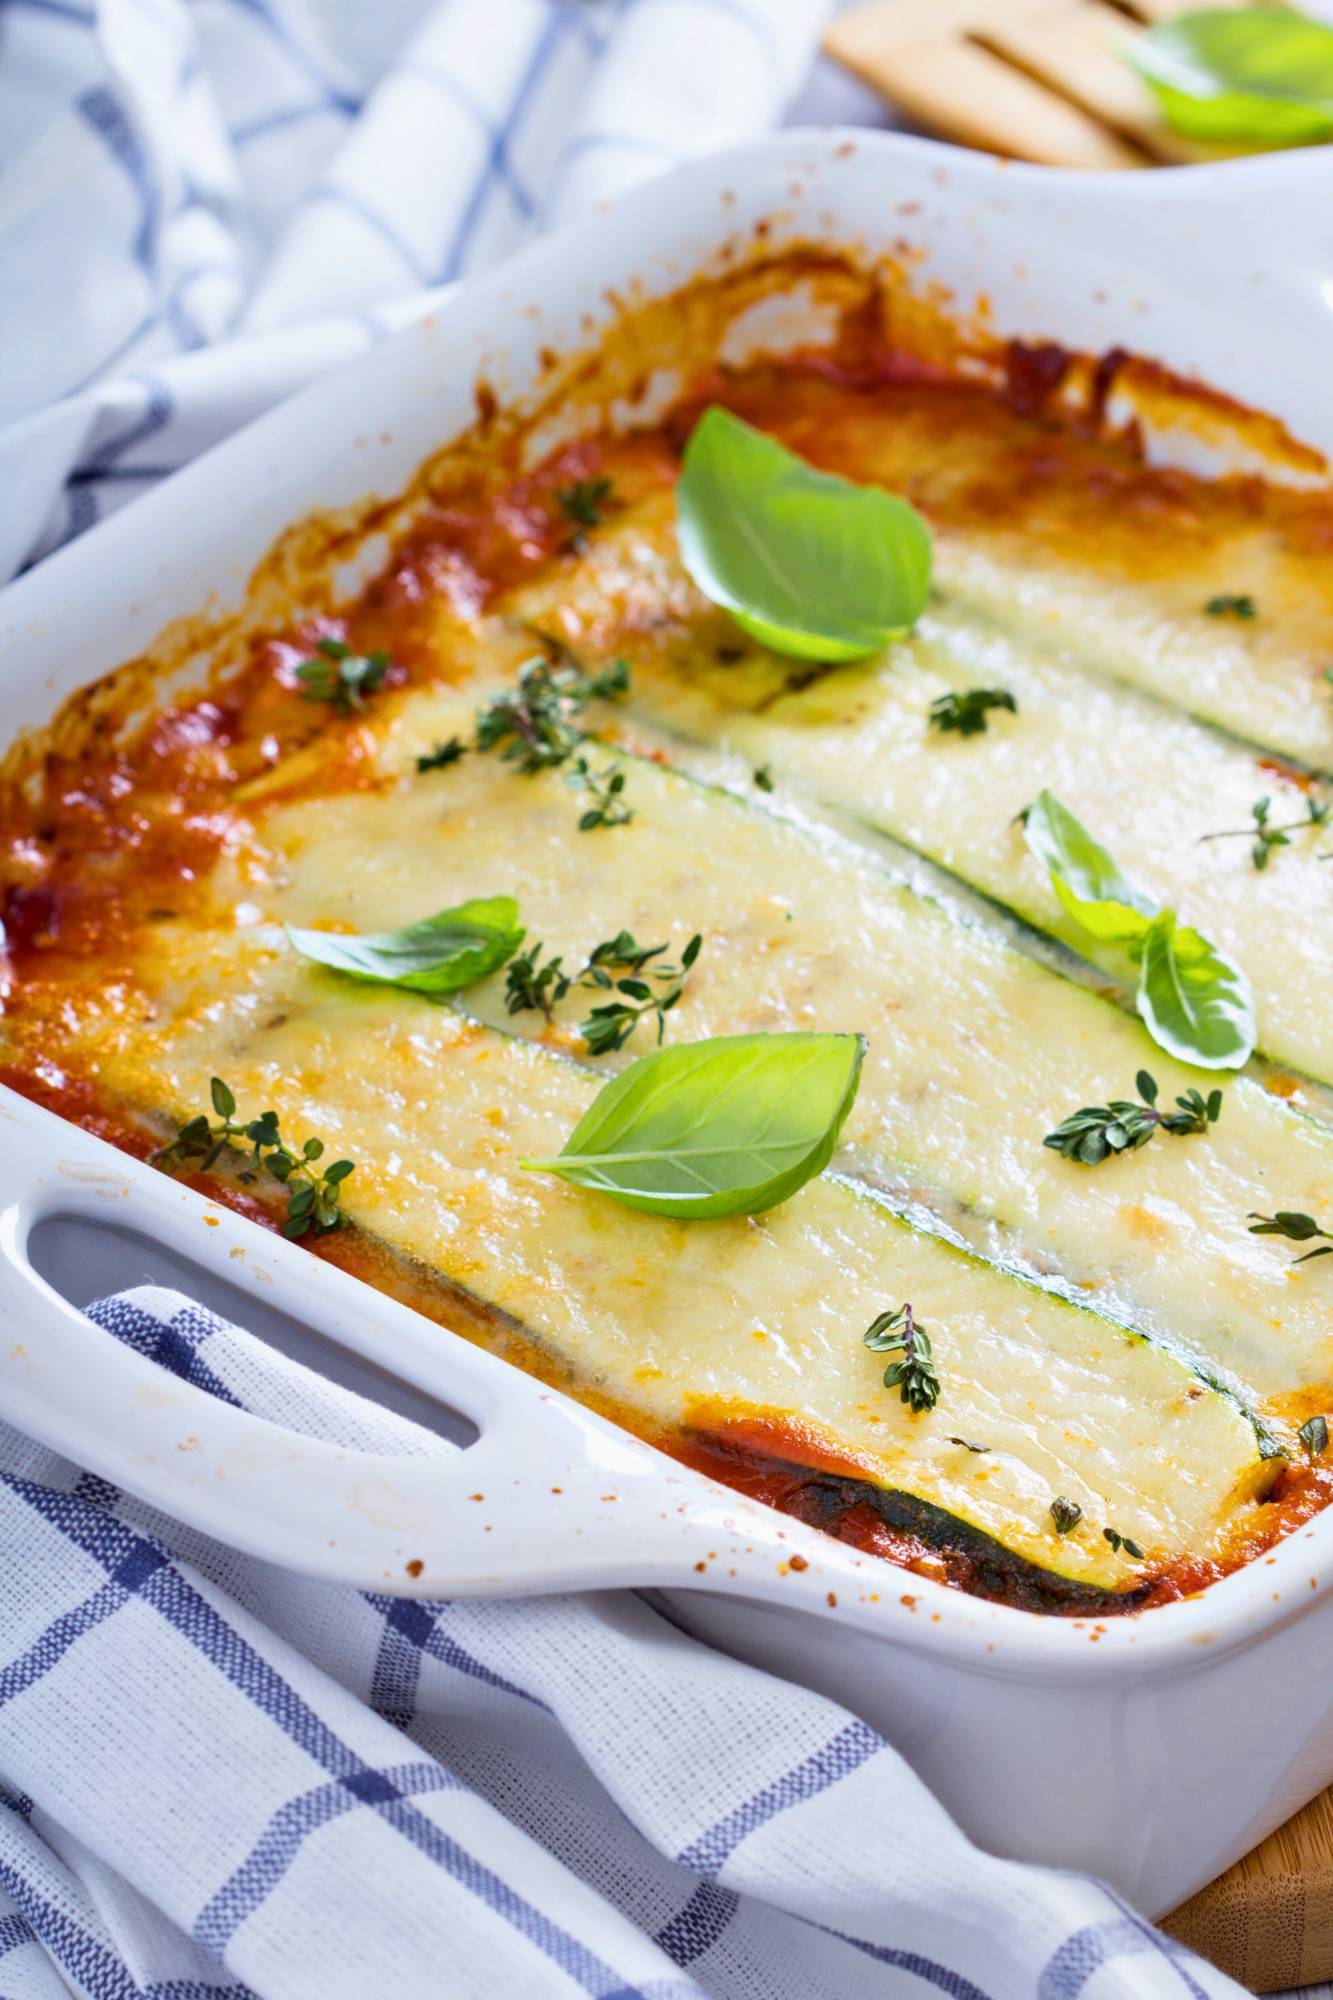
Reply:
x=1153, y=1749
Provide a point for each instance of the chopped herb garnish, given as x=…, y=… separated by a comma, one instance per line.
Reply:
x=915, y=1376
x=334, y=673
x=763, y=778
x=619, y=965
x=1313, y=1434
x=312, y=1193
x=1225, y=605
x=1121, y=1543
x=583, y=502
x=606, y=790
x=442, y=755
x=1098, y=1130
x=965, y=710
x=1265, y=837
x=1297, y=1228
x=1066, y=1514
x=968, y=1445
x=532, y=725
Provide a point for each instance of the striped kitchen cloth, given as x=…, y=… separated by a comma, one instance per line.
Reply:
x=219, y=1780
x=203, y=205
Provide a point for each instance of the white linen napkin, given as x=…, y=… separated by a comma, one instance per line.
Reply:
x=218, y=1780
x=201, y=208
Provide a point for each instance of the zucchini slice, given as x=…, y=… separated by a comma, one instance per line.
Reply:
x=1072, y=542
x=1260, y=679
x=804, y=930
x=701, y=1326
x=1148, y=781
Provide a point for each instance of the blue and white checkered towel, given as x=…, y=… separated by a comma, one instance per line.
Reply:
x=218, y=1780
x=203, y=203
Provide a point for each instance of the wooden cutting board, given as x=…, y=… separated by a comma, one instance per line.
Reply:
x=1041, y=80
x=1269, y=1920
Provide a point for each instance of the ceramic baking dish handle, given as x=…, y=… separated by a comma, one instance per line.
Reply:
x=549, y=1497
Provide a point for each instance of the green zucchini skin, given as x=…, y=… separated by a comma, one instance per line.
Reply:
x=1150, y=781
x=975, y=1561
x=806, y=928
x=669, y=1321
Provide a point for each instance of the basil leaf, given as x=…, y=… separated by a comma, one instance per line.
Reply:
x=437, y=955
x=724, y=1127
x=1258, y=76
x=809, y=564
x=1084, y=876
x=1194, y=1002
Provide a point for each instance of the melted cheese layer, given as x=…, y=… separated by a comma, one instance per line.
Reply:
x=803, y=932
x=676, y=1320
x=1148, y=781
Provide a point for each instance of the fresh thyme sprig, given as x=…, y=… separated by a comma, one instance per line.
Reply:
x=1227, y=605
x=442, y=755
x=610, y=1026
x=1297, y=1228
x=605, y=789
x=1265, y=837
x=583, y=502
x=1121, y=1543
x=533, y=986
x=1066, y=1514
x=313, y=1194
x=915, y=1376
x=532, y=725
x=619, y=965
x=334, y=673
x=965, y=709
x=1099, y=1130
x=763, y=778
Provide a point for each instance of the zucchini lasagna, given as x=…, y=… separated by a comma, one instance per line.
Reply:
x=1047, y=1325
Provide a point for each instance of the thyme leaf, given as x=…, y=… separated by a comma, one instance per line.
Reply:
x=1121, y=1543
x=1099, y=1130
x=583, y=502
x=313, y=1193
x=606, y=790
x=1297, y=1228
x=1227, y=605
x=915, y=1376
x=1313, y=1434
x=1266, y=837
x=964, y=710
x=1066, y=1514
x=334, y=673
x=442, y=755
